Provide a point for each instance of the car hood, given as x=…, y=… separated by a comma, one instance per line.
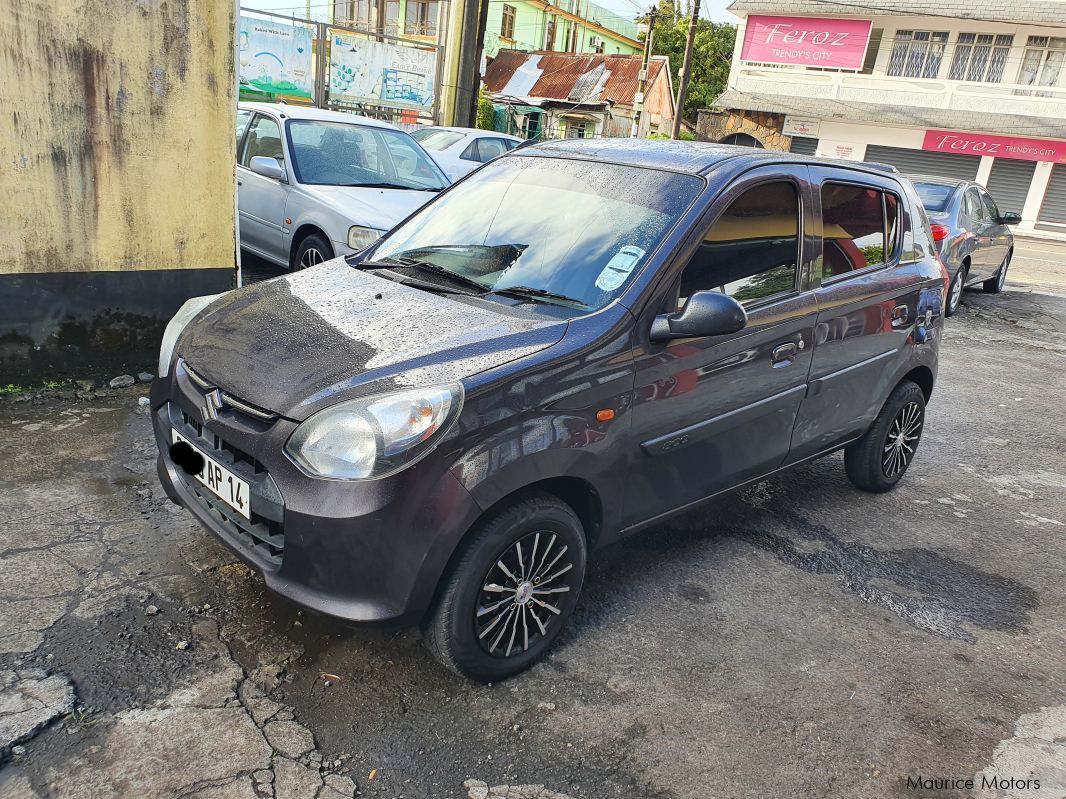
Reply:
x=376, y=208
x=299, y=343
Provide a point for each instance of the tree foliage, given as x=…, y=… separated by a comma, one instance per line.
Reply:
x=485, y=119
x=712, y=52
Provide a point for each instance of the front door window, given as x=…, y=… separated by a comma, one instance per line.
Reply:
x=751, y=252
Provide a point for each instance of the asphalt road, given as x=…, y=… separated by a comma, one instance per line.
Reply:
x=798, y=639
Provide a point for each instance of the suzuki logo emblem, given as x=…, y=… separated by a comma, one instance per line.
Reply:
x=212, y=405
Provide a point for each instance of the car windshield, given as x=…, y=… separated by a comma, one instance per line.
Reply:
x=546, y=229
x=934, y=196
x=341, y=154
x=435, y=139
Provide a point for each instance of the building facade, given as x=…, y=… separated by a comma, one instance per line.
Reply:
x=544, y=95
x=568, y=26
x=411, y=19
x=939, y=87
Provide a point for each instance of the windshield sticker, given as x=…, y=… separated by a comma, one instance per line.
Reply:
x=619, y=268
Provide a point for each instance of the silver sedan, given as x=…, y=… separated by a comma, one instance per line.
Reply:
x=314, y=184
x=971, y=234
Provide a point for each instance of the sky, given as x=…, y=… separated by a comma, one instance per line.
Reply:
x=711, y=9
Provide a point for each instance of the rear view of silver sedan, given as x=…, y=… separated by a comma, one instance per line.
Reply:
x=459, y=151
x=971, y=234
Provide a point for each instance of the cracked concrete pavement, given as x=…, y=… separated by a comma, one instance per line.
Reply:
x=797, y=639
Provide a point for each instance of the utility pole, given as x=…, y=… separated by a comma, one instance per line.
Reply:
x=642, y=82
x=468, y=77
x=686, y=65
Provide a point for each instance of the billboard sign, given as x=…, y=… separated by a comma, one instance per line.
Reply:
x=365, y=71
x=807, y=41
x=275, y=58
x=953, y=141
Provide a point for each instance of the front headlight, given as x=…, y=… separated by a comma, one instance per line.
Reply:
x=374, y=436
x=174, y=327
x=359, y=238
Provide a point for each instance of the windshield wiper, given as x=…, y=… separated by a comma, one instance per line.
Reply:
x=463, y=280
x=535, y=294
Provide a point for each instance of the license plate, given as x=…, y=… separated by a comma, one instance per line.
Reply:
x=220, y=481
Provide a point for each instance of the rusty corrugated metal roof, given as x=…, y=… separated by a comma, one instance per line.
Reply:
x=572, y=76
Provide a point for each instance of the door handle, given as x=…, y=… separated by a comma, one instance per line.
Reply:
x=240, y=182
x=783, y=354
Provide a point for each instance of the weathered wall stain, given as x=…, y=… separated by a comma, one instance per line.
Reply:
x=116, y=135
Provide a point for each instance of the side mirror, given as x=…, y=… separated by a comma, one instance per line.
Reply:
x=267, y=167
x=706, y=313
x=1010, y=219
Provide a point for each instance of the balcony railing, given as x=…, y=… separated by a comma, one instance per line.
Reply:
x=1047, y=102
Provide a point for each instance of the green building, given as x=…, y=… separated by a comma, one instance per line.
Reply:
x=568, y=26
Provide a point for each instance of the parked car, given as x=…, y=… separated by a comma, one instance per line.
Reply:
x=971, y=234
x=578, y=341
x=459, y=151
x=314, y=184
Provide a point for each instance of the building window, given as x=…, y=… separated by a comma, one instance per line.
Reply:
x=392, y=18
x=980, y=57
x=549, y=36
x=507, y=26
x=355, y=13
x=1042, y=62
x=421, y=19
x=917, y=54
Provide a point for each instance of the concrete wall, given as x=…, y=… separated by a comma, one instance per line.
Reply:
x=116, y=157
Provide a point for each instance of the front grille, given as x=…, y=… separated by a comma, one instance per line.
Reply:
x=264, y=534
x=227, y=399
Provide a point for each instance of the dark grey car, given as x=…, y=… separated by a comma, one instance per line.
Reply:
x=575, y=342
x=971, y=234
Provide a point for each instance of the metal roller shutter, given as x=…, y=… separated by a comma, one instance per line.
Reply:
x=920, y=162
x=1009, y=183
x=1053, y=208
x=804, y=145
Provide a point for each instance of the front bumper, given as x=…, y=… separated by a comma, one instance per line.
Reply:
x=369, y=551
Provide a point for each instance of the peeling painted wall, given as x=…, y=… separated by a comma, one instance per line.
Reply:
x=116, y=135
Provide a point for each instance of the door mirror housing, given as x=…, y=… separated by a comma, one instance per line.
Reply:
x=267, y=167
x=706, y=313
x=1010, y=219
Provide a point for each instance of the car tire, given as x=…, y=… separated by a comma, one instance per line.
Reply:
x=490, y=620
x=314, y=249
x=994, y=285
x=876, y=462
x=955, y=290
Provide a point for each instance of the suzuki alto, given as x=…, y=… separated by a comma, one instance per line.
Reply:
x=577, y=341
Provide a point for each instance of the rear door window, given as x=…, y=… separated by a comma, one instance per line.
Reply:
x=991, y=211
x=487, y=149
x=860, y=228
x=972, y=206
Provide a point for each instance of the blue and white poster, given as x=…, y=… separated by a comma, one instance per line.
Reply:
x=275, y=58
x=364, y=71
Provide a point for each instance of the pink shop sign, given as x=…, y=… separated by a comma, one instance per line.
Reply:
x=810, y=41
x=953, y=141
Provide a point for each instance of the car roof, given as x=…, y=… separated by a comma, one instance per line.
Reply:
x=695, y=158
x=955, y=182
x=306, y=112
x=480, y=132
